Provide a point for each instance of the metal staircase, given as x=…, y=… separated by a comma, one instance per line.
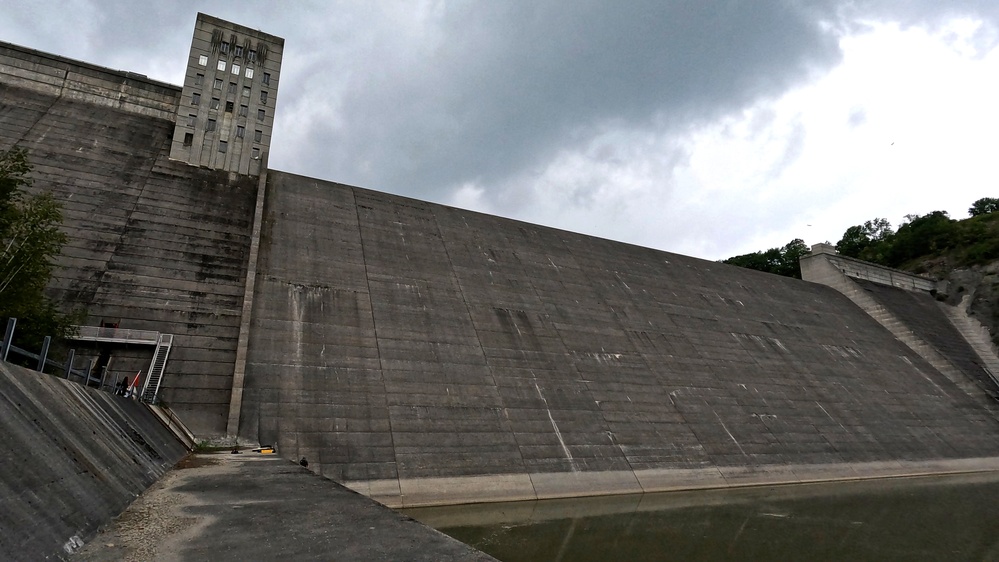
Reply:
x=155, y=372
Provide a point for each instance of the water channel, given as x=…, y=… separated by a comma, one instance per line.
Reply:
x=926, y=518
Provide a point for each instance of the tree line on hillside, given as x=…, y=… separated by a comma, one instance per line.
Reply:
x=970, y=241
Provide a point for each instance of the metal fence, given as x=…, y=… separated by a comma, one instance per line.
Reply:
x=43, y=364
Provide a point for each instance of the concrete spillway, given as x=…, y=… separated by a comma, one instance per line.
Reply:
x=426, y=354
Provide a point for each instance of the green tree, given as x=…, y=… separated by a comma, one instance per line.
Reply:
x=781, y=261
x=868, y=241
x=923, y=235
x=984, y=206
x=29, y=239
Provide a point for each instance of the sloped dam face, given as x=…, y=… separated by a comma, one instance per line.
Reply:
x=424, y=354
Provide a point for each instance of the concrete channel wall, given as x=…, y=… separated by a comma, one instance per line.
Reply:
x=425, y=354
x=72, y=458
x=153, y=244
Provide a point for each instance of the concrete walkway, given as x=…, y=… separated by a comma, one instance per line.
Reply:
x=251, y=507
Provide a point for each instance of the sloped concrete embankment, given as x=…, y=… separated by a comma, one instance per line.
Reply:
x=422, y=354
x=72, y=458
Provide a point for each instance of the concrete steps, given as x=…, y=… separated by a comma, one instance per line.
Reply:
x=977, y=335
x=900, y=330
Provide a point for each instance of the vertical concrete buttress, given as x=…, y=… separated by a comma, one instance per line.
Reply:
x=239, y=370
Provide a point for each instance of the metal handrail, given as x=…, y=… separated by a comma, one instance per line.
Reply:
x=116, y=334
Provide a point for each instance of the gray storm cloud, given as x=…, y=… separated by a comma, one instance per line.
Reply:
x=421, y=98
x=505, y=86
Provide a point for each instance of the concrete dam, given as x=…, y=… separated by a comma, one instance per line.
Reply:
x=423, y=354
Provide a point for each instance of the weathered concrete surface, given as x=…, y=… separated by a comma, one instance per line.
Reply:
x=413, y=350
x=921, y=314
x=944, y=335
x=153, y=243
x=245, y=507
x=401, y=344
x=55, y=76
x=72, y=458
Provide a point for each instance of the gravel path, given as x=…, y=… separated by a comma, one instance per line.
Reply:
x=250, y=507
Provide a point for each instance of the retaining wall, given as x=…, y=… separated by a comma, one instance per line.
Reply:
x=72, y=458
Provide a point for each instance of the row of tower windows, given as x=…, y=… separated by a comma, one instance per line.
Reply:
x=223, y=145
x=192, y=121
x=199, y=80
x=216, y=103
x=235, y=69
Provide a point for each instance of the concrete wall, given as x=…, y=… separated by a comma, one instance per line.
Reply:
x=812, y=269
x=72, y=458
x=60, y=77
x=154, y=243
x=422, y=353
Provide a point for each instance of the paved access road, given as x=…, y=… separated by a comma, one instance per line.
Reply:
x=250, y=507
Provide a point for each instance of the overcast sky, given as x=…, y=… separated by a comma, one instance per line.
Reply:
x=705, y=127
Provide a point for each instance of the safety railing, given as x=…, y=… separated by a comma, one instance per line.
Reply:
x=116, y=335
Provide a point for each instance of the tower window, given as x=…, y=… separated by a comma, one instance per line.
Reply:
x=199, y=79
x=188, y=139
x=251, y=55
x=232, y=87
x=223, y=146
x=235, y=69
x=258, y=136
x=267, y=78
x=238, y=51
x=228, y=107
x=224, y=47
x=221, y=65
x=218, y=84
x=195, y=98
x=261, y=114
x=263, y=96
x=246, y=91
x=203, y=60
x=249, y=73
x=255, y=153
x=192, y=120
x=240, y=131
x=215, y=103
x=244, y=111
x=211, y=125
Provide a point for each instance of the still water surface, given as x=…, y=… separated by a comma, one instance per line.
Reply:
x=930, y=518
